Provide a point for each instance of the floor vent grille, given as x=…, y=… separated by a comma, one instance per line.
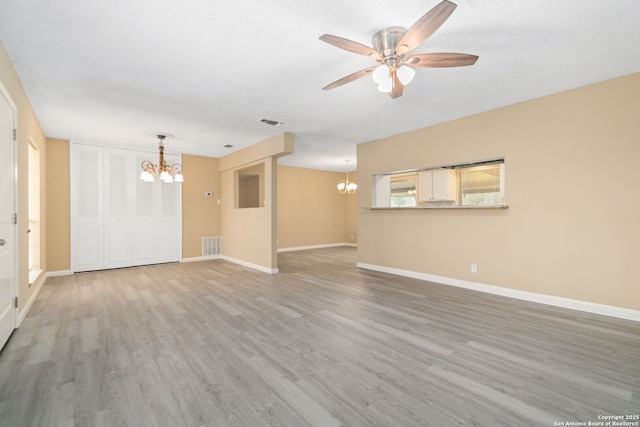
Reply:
x=211, y=246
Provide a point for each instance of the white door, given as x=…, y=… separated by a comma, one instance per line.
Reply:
x=117, y=201
x=7, y=223
x=169, y=218
x=87, y=213
x=144, y=225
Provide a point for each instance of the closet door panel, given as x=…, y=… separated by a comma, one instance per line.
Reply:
x=88, y=247
x=144, y=249
x=118, y=165
x=87, y=209
x=144, y=232
x=169, y=221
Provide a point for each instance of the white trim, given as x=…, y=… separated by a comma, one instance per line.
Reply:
x=6, y=94
x=304, y=248
x=22, y=314
x=15, y=285
x=59, y=273
x=589, y=307
x=34, y=275
x=250, y=265
x=201, y=258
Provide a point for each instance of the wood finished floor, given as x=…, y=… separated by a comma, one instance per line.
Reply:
x=320, y=344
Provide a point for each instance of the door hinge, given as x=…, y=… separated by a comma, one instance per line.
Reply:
x=15, y=135
x=15, y=219
x=16, y=302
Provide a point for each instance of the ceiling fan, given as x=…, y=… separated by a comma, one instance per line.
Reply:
x=390, y=49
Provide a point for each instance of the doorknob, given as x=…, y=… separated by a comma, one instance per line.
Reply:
x=3, y=242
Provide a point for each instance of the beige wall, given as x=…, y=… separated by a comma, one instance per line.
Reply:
x=310, y=209
x=200, y=213
x=249, y=235
x=250, y=187
x=571, y=229
x=58, y=206
x=27, y=127
x=351, y=217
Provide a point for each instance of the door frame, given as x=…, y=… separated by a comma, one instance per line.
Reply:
x=16, y=246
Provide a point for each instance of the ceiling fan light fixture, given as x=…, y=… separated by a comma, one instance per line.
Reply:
x=406, y=74
x=390, y=47
x=386, y=85
x=381, y=74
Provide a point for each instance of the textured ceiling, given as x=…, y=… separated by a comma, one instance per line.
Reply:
x=119, y=72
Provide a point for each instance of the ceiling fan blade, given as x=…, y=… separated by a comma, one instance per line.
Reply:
x=351, y=46
x=425, y=26
x=396, y=86
x=349, y=78
x=436, y=60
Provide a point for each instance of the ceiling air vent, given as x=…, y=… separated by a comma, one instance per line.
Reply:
x=270, y=122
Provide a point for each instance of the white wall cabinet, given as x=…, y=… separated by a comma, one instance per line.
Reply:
x=437, y=185
x=119, y=220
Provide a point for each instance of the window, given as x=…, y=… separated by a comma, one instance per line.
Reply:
x=462, y=185
x=481, y=185
x=403, y=189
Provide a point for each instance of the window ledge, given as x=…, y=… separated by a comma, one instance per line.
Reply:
x=384, y=208
x=33, y=276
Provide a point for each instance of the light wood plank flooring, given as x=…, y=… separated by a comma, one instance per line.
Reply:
x=320, y=344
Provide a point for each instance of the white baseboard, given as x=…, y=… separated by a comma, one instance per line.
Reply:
x=304, y=248
x=589, y=307
x=59, y=273
x=201, y=258
x=250, y=265
x=22, y=314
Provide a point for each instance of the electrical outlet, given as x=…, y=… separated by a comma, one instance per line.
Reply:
x=474, y=268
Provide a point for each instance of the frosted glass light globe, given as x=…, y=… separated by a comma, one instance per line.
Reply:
x=405, y=74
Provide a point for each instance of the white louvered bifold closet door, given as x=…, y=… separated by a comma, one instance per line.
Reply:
x=120, y=220
x=169, y=214
x=144, y=242
x=87, y=208
x=117, y=216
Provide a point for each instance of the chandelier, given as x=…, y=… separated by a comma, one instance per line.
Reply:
x=167, y=172
x=346, y=186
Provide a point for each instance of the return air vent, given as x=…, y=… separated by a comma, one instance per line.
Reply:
x=270, y=122
x=211, y=246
